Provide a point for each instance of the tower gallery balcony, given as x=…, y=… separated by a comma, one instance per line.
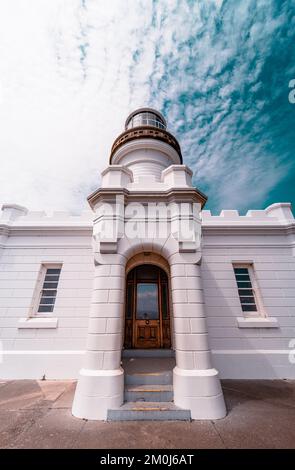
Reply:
x=145, y=123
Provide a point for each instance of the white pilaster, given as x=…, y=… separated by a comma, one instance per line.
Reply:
x=101, y=382
x=196, y=384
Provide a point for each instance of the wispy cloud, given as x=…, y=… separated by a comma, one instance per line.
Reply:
x=70, y=72
x=65, y=73
x=224, y=69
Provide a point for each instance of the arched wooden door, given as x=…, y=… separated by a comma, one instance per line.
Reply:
x=147, y=313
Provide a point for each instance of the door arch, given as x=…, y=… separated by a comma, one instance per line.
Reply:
x=147, y=311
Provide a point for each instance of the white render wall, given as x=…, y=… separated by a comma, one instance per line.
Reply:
x=267, y=241
x=56, y=352
x=264, y=238
x=146, y=159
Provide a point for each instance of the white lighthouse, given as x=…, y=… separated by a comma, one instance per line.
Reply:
x=133, y=295
x=147, y=354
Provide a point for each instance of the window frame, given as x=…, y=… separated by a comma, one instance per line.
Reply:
x=146, y=119
x=260, y=312
x=39, y=288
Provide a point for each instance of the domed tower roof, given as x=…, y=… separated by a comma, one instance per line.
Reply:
x=145, y=123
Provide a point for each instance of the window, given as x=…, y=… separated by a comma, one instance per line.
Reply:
x=48, y=291
x=247, y=289
x=146, y=119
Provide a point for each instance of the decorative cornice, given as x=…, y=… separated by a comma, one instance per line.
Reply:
x=55, y=246
x=146, y=144
x=169, y=195
x=261, y=229
x=69, y=230
x=173, y=195
x=222, y=246
x=145, y=132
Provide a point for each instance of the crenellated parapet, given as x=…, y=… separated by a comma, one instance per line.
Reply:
x=272, y=227
x=276, y=214
x=15, y=215
x=18, y=220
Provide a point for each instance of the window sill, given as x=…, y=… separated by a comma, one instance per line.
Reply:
x=257, y=322
x=37, y=322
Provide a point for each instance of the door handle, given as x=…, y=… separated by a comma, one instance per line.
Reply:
x=147, y=322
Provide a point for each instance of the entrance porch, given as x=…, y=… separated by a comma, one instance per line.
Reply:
x=148, y=298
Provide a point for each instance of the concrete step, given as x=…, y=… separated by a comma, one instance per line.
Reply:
x=149, y=378
x=148, y=353
x=149, y=393
x=143, y=411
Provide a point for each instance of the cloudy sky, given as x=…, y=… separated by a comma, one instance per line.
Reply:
x=219, y=70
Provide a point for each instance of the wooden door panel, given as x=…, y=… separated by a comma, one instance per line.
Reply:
x=128, y=333
x=147, y=315
x=147, y=334
x=166, y=331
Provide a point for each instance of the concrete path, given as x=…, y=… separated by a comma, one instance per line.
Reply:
x=37, y=414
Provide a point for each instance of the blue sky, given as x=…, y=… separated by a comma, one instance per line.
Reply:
x=71, y=71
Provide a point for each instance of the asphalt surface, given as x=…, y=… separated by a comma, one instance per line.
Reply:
x=37, y=414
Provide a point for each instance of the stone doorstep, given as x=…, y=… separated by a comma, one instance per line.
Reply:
x=148, y=393
x=149, y=388
x=148, y=411
x=159, y=353
x=156, y=378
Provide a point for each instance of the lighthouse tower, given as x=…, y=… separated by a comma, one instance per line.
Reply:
x=147, y=304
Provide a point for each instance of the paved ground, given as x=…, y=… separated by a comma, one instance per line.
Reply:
x=37, y=414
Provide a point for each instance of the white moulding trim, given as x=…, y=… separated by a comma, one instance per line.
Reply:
x=37, y=322
x=252, y=352
x=37, y=352
x=258, y=322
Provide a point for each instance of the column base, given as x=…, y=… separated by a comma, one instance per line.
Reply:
x=200, y=392
x=96, y=392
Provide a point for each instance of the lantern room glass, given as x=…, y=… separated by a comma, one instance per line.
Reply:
x=146, y=119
